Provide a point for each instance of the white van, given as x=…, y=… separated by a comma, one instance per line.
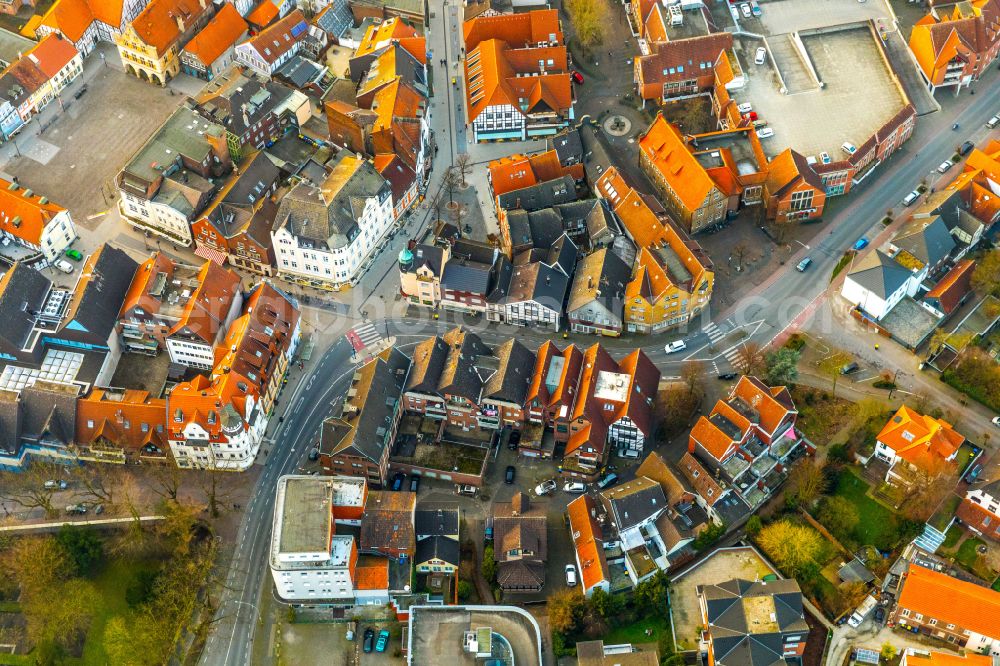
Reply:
x=64, y=266
x=862, y=611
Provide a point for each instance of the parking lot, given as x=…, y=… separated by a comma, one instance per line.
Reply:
x=847, y=96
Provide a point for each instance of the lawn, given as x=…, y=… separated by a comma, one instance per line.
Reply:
x=967, y=555
x=636, y=632
x=878, y=525
x=951, y=537
x=821, y=416
x=110, y=583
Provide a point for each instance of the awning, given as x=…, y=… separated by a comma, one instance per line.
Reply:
x=211, y=254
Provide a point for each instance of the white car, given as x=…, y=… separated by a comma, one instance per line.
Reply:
x=64, y=266
x=570, y=575
x=574, y=487
x=675, y=346
x=746, y=11
x=848, y=148
x=546, y=487
x=993, y=122
x=825, y=158
x=996, y=420
x=760, y=55
x=765, y=133
x=944, y=166
x=745, y=107
x=910, y=198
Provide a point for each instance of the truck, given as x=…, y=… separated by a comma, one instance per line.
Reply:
x=862, y=611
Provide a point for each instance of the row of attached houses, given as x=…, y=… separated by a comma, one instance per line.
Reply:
x=36, y=79
x=580, y=397
x=954, y=44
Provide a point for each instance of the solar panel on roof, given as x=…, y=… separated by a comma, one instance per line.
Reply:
x=299, y=28
x=866, y=656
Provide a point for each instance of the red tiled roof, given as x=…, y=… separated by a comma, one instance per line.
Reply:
x=138, y=290
x=953, y=287
x=131, y=419
x=157, y=24
x=222, y=32
x=206, y=309
x=25, y=216
x=951, y=601
x=975, y=516
x=263, y=14
x=276, y=40
x=921, y=440
x=52, y=54
x=586, y=533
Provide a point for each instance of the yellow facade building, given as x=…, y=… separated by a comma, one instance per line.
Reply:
x=150, y=47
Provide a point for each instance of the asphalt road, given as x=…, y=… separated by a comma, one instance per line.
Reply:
x=785, y=298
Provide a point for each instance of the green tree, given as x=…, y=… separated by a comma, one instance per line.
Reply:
x=708, y=536
x=806, y=482
x=489, y=565
x=650, y=596
x=464, y=590
x=781, y=366
x=84, y=547
x=589, y=19
x=793, y=547
x=566, y=609
x=839, y=515
x=606, y=606
x=754, y=525
x=888, y=651
x=986, y=274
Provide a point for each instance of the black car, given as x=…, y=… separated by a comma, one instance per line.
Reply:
x=414, y=483
x=369, y=639
x=727, y=376
x=966, y=148
x=880, y=615
x=397, y=480
x=515, y=439
x=508, y=476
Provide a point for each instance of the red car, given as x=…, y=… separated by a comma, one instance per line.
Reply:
x=577, y=77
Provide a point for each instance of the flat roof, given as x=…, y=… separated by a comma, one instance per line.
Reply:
x=738, y=145
x=348, y=491
x=848, y=94
x=303, y=510
x=612, y=386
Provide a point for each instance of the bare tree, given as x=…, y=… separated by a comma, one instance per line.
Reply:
x=216, y=496
x=33, y=488
x=451, y=183
x=166, y=479
x=463, y=164
x=98, y=484
x=437, y=203
x=750, y=359
x=691, y=374
x=739, y=252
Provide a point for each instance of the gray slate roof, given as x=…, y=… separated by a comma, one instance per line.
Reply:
x=510, y=382
x=930, y=242
x=441, y=521
x=743, y=634
x=438, y=547
x=22, y=291
x=635, y=502
x=541, y=195
x=879, y=274
x=10, y=421
x=96, y=309
x=568, y=146
x=49, y=412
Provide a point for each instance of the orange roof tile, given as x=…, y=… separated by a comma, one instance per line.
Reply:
x=206, y=310
x=586, y=532
x=157, y=24
x=131, y=419
x=276, y=39
x=138, y=290
x=263, y=14
x=932, y=658
x=25, y=216
x=491, y=74
x=716, y=442
x=371, y=573
x=518, y=171
x=664, y=146
x=951, y=601
x=52, y=54
x=953, y=286
x=699, y=477
x=772, y=404
x=73, y=17
x=518, y=30
x=379, y=36
x=921, y=440
x=222, y=32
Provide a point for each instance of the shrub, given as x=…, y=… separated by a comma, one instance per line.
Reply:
x=464, y=590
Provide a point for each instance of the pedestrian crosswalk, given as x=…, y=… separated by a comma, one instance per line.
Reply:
x=713, y=332
x=363, y=335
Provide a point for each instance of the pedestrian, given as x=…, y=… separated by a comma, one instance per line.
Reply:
x=876, y=346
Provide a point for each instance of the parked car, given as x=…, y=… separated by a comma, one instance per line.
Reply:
x=849, y=368
x=80, y=93
x=465, y=489
x=803, y=265
x=755, y=8
x=966, y=148
x=514, y=440
x=574, y=487
x=910, y=198
x=488, y=531
x=675, y=346
x=760, y=55
x=996, y=421
x=73, y=254
x=383, y=641
x=848, y=148
x=608, y=481
x=61, y=485
x=397, y=480
x=825, y=158
x=735, y=13
x=944, y=166
x=577, y=78
x=508, y=476
x=745, y=107
x=546, y=487
x=414, y=482
x=63, y=265
x=880, y=615
x=993, y=122
x=860, y=244
x=765, y=133
x=570, y=575
x=745, y=10
x=369, y=639
x=728, y=376
x=76, y=509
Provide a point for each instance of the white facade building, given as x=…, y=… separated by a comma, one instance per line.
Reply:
x=160, y=218
x=877, y=283
x=324, y=236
